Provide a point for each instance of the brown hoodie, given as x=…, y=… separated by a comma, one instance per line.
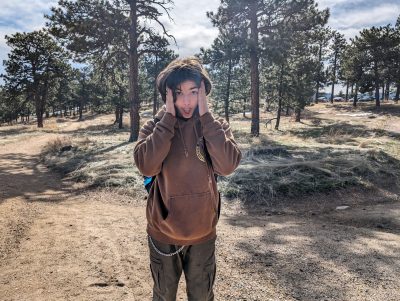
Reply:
x=183, y=203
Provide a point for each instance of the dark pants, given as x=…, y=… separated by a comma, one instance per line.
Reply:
x=196, y=261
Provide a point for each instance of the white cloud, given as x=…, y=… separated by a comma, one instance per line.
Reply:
x=10, y=7
x=4, y=49
x=332, y=3
x=350, y=32
x=20, y=16
x=191, y=28
x=381, y=14
x=25, y=15
x=190, y=40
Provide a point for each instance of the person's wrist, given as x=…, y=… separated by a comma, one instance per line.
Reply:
x=171, y=110
x=202, y=111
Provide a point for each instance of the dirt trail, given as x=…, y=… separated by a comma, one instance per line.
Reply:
x=60, y=242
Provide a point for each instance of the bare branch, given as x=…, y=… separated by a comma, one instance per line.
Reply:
x=162, y=4
x=166, y=33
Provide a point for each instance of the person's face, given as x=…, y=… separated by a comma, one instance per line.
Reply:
x=186, y=98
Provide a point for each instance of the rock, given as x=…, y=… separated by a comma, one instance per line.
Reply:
x=342, y=207
x=99, y=284
x=66, y=148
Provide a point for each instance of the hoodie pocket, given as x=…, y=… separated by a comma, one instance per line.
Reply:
x=190, y=216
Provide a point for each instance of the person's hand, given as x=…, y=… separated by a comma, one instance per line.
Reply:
x=202, y=100
x=169, y=103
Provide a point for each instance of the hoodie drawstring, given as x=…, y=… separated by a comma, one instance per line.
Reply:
x=183, y=140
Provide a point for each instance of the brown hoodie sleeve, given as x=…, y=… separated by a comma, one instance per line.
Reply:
x=224, y=152
x=154, y=144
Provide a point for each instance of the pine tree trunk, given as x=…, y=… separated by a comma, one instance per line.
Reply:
x=133, y=73
x=376, y=74
x=298, y=114
x=120, y=109
x=333, y=77
x=41, y=98
x=116, y=113
x=396, y=98
x=351, y=91
x=317, y=92
x=44, y=96
x=80, y=103
x=319, y=74
x=120, y=117
x=347, y=90
x=278, y=114
x=254, y=74
x=155, y=93
x=387, y=90
x=39, y=111
x=228, y=88
x=81, y=109
x=355, y=96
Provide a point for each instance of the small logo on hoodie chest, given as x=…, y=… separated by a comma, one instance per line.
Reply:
x=200, y=150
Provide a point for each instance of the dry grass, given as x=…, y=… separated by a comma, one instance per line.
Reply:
x=98, y=155
x=327, y=151
x=266, y=174
x=57, y=145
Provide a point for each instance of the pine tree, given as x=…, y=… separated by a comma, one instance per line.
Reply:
x=100, y=28
x=33, y=64
x=338, y=46
x=376, y=44
x=261, y=20
x=225, y=53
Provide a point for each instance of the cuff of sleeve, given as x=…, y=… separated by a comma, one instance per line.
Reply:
x=169, y=120
x=206, y=118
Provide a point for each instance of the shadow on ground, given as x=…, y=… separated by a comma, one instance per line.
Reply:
x=7, y=131
x=342, y=132
x=327, y=254
x=369, y=107
x=23, y=176
x=96, y=130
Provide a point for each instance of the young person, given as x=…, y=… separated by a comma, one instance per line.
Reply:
x=184, y=147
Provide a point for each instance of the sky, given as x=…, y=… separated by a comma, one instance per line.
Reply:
x=191, y=27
